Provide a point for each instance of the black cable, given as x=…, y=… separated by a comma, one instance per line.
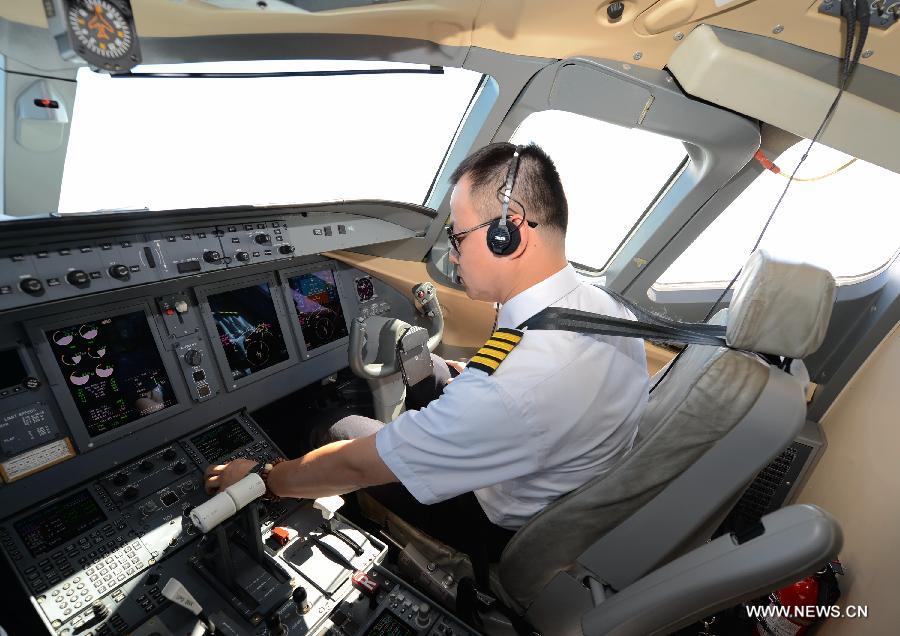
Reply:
x=432, y=70
x=39, y=76
x=848, y=66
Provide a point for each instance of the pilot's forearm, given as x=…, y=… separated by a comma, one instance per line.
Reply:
x=333, y=469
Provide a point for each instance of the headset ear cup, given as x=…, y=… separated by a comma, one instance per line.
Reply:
x=503, y=240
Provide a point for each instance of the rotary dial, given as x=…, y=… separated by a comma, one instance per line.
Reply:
x=100, y=27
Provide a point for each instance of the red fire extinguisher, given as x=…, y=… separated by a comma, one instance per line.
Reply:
x=821, y=589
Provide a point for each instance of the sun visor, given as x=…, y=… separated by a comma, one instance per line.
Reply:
x=792, y=88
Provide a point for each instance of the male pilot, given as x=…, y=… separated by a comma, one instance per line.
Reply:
x=533, y=416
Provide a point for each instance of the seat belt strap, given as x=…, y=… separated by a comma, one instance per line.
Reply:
x=585, y=322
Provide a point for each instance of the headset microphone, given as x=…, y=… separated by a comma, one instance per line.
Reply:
x=502, y=237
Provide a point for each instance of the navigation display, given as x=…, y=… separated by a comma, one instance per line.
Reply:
x=248, y=329
x=60, y=523
x=113, y=370
x=220, y=440
x=319, y=310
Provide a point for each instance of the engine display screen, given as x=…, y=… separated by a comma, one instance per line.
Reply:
x=318, y=308
x=248, y=329
x=12, y=371
x=220, y=440
x=389, y=625
x=60, y=523
x=113, y=370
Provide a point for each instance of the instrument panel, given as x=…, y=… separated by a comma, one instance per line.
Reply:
x=87, y=369
x=130, y=367
x=106, y=372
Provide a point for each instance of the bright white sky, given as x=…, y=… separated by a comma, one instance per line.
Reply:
x=178, y=143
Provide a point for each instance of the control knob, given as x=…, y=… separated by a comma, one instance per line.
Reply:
x=423, y=616
x=263, y=239
x=300, y=598
x=193, y=357
x=179, y=467
x=118, y=271
x=276, y=627
x=146, y=466
x=100, y=610
x=120, y=479
x=131, y=492
x=79, y=278
x=286, y=249
x=242, y=256
x=31, y=286
x=212, y=256
x=169, y=454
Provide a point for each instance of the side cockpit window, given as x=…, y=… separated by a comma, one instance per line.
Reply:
x=837, y=214
x=611, y=175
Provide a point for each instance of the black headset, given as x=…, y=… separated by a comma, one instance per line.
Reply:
x=503, y=238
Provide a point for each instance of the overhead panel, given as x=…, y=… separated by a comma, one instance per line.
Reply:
x=789, y=87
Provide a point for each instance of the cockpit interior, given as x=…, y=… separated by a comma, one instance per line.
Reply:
x=223, y=222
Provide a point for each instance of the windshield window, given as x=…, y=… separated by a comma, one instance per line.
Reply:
x=170, y=143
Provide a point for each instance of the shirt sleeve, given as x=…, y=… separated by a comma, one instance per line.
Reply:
x=469, y=438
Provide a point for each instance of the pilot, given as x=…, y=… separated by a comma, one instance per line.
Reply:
x=533, y=416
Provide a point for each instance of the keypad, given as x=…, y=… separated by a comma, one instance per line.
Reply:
x=86, y=570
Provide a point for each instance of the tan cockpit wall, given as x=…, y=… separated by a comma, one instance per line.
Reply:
x=646, y=34
x=857, y=481
x=467, y=323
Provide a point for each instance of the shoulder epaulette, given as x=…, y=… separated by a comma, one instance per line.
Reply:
x=495, y=350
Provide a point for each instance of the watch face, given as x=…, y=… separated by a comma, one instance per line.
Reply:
x=100, y=28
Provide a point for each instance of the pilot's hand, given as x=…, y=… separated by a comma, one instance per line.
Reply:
x=457, y=366
x=218, y=477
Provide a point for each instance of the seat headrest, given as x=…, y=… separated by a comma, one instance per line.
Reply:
x=780, y=308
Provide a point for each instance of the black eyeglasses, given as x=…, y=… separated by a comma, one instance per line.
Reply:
x=456, y=238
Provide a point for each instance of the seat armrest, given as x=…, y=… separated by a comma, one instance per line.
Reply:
x=794, y=543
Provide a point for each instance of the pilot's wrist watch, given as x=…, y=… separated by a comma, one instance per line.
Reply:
x=263, y=469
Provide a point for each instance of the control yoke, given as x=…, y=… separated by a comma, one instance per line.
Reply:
x=399, y=335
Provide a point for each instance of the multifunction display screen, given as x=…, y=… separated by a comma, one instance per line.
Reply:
x=220, y=440
x=113, y=370
x=248, y=329
x=60, y=523
x=318, y=307
x=389, y=625
x=12, y=371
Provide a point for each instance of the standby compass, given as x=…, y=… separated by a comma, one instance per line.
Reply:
x=98, y=32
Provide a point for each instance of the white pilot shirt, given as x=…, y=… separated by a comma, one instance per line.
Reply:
x=558, y=411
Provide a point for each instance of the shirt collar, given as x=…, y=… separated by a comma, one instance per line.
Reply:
x=527, y=303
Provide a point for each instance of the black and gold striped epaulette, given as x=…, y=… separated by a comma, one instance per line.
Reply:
x=495, y=350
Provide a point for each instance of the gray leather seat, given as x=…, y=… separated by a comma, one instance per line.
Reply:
x=718, y=417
